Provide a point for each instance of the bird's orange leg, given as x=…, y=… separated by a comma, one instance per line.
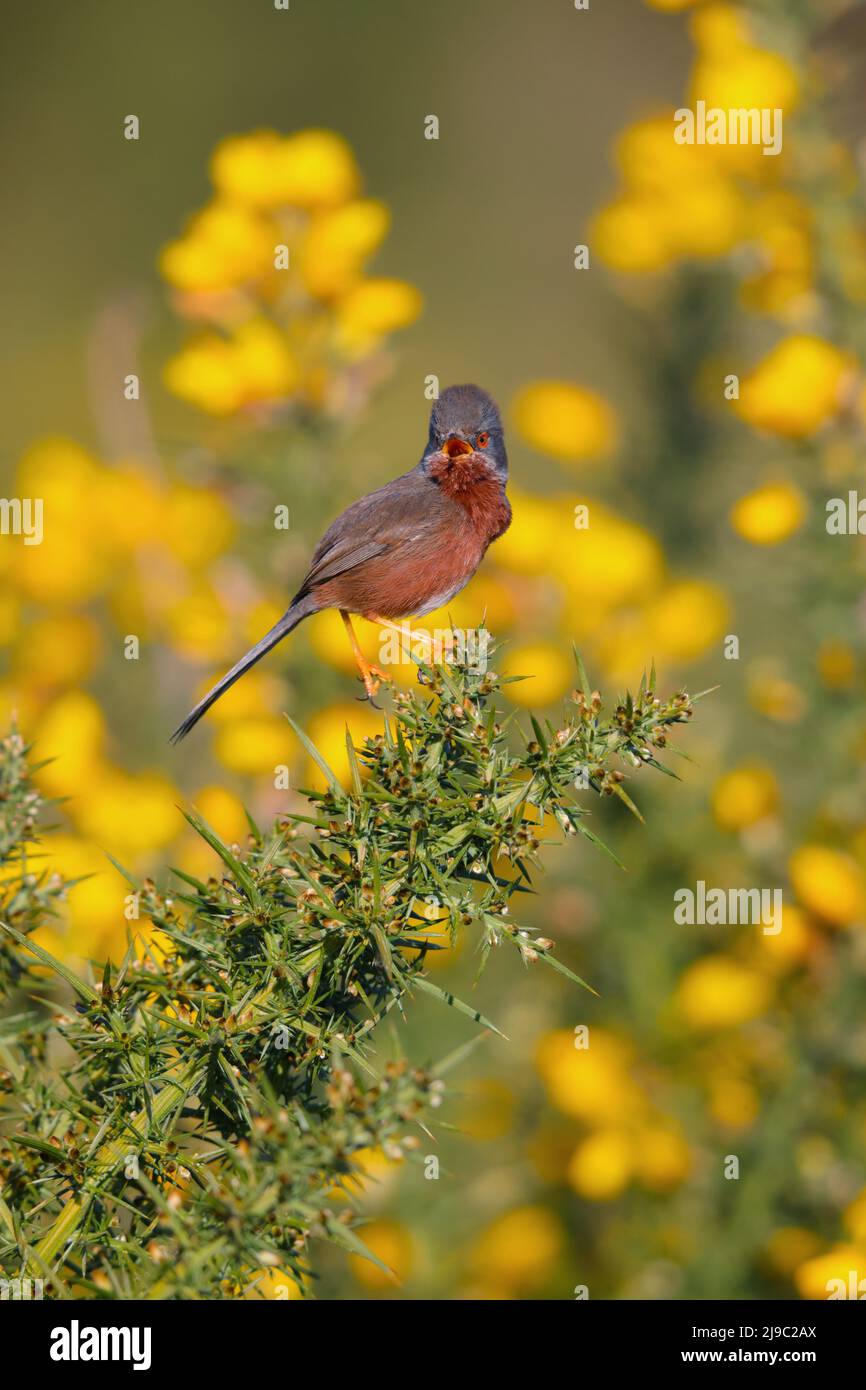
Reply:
x=368, y=671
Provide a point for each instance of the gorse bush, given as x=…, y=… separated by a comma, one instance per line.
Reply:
x=190, y=1125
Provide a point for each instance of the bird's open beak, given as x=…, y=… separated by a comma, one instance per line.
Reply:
x=454, y=447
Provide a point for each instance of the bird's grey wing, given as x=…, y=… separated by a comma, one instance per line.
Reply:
x=400, y=512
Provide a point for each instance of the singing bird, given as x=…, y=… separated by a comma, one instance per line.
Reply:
x=408, y=547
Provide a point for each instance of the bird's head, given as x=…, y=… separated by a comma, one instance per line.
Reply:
x=465, y=422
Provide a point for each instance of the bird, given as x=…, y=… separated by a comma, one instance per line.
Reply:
x=410, y=546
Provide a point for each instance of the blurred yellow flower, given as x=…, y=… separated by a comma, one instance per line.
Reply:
x=338, y=243
x=775, y=697
x=566, y=421
x=613, y=561
x=128, y=814
x=631, y=233
x=198, y=625
x=197, y=525
x=374, y=308
x=273, y=1284
x=854, y=1218
x=837, y=665
x=519, y=1249
x=770, y=514
x=551, y=673
x=745, y=795
x=718, y=992
x=602, y=1165
x=314, y=168
x=733, y=1102
x=221, y=375
x=256, y=744
x=58, y=650
x=796, y=388
x=393, y=1244
x=828, y=883
x=831, y=1272
x=71, y=733
x=223, y=811
x=789, y=1247
x=790, y=946
x=327, y=729
x=591, y=1083
x=686, y=618
x=223, y=246
x=662, y=1158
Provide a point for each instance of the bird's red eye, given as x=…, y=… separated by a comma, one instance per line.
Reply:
x=482, y=439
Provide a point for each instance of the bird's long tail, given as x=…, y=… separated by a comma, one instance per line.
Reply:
x=300, y=609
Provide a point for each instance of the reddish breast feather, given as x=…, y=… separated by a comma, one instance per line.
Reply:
x=470, y=482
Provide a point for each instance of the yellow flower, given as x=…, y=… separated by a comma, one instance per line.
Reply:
x=602, y=1165
x=95, y=905
x=662, y=1158
x=736, y=77
x=520, y=1248
x=198, y=625
x=393, y=1245
x=796, y=388
x=128, y=814
x=789, y=1247
x=775, y=697
x=854, y=1218
x=338, y=243
x=550, y=673
x=790, y=946
x=59, y=650
x=223, y=375
x=256, y=744
x=591, y=1083
x=223, y=811
x=223, y=246
x=197, y=526
x=273, y=1284
x=374, y=308
x=631, y=233
x=687, y=617
x=745, y=795
x=816, y=1278
x=717, y=992
x=770, y=514
x=71, y=732
x=564, y=420
x=733, y=1102
x=71, y=564
x=265, y=366
x=719, y=28
x=837, y=665
x=327, y=729
x=704, y=218
x=525, y=547
x=611, y=562
x=828, y=883
x=314, y=168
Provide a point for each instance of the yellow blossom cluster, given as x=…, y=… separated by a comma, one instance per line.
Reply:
x=592, y=1078
x=274, y=273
